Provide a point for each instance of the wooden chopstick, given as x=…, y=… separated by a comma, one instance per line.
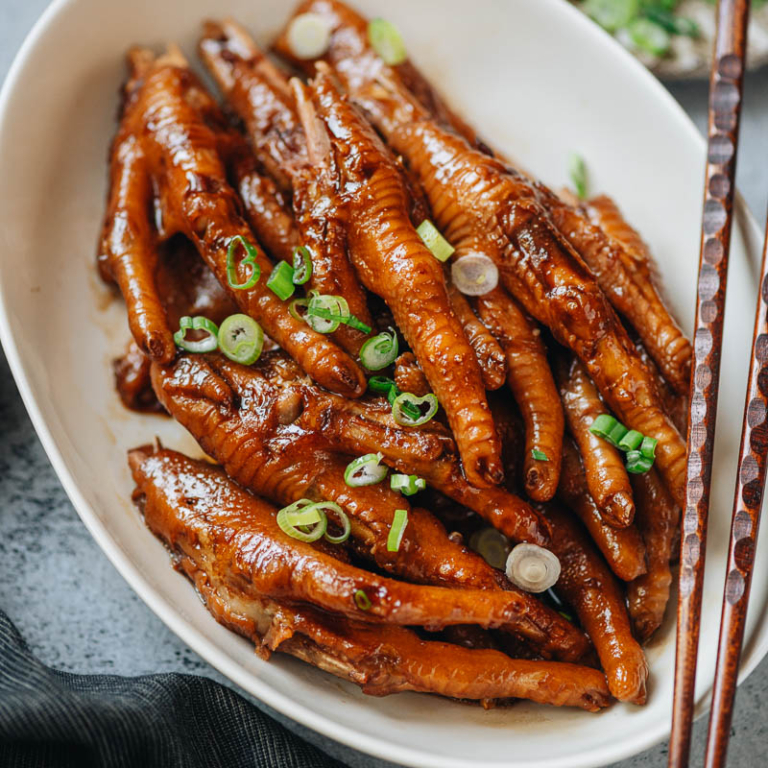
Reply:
x=726, y=90
x=747, y=504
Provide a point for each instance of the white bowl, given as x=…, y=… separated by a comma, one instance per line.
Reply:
x=540, y=81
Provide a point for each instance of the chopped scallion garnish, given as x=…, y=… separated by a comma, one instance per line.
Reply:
x=631, y=441
x=539, y=455
x=365, y=470
x=637, y=463
x=293, y=308
x=302, y=265
x=241, y=339
x=380, y=351
x=609, y=429
x=309, y=36
x=381, y=384
x=492, y=545
x=295, y=517
x=399, y=523
x=325, y=313
x=405, y=404
x=386, y=40
x=280, y=282
x=441, y=249
x=326, y=507
x=640, y=449
x=648, y=447
x=249, y=261
x=362, y=601
x=577, y=170
x=407, y=484
x=206, y=344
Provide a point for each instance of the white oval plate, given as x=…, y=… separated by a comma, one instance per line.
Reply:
x=540, y=81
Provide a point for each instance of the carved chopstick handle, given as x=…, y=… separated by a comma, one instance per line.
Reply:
x=747, y=505
x=726, y=89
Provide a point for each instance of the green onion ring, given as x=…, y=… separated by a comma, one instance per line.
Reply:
x=638, y=464
x=249, y=261
x=492, y=545
x=380, y=351
x=539, y=455
x=302, y=265
x=323, y=508
x=397, y=529
x=280, y=281
x=365, y=470
x=199, y=323
x=440, y=248
x=648, y=447
x=631, y=441
x=293, y=308
x=291, y=517
x=381, y=384
x=362, y=601
x=406, y=399
x=386, y=40
x=241, y=339
x=407, y=484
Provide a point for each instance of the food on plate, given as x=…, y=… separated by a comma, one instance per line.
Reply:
x=329, y=279
x=482, y=205
x=531, y=382
x=606, y=475
x=223, y=539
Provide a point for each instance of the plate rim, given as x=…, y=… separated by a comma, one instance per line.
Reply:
x=202, y=645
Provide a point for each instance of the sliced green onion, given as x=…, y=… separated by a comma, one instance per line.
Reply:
x=609, y=429
x=293, y=308
x=365, y=470
x=380, y=351
x=381, y=384
x=475, y=274
x=631, y=441
x=206, y=344
x=280, y=282
x=492, y=545
x=323, y=508
x=577, y=170
x=649, y=36
x=249, y=261
x=648, y=447
x=403, y=413
x=539, y=455
x=302, y=265
x=362, y=601
x=300, y=514
x=241, y=339
x=603, y=425
x=637, y=464
x=532, y=568
x=386, y=40
x=611, y=14
x=441, y=249
x=399, y=523
x=407, y=484
x=326, y=312
x=309, y=36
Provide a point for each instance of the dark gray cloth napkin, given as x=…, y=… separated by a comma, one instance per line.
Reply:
x=52, y=719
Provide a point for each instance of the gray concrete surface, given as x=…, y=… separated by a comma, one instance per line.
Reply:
x=79, y=615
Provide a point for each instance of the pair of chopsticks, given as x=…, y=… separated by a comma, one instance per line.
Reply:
x=726, y=91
